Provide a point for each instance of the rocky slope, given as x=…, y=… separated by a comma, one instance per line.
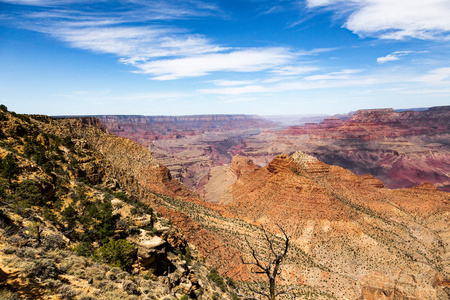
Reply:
x=352, y=237
x=73, y=221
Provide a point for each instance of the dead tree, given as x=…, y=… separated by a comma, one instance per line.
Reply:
x=271, y=266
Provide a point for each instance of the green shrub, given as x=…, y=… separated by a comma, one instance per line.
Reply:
x=28, y=194
x=215, y=277
x=10, y=169
x=120, y=253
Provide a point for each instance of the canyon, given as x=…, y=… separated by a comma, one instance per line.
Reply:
x=351, y=236
x=401, y=148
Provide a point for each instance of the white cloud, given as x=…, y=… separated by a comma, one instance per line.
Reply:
x=248, y=60
x=232, y=82
x=331, y=80
x=162, y=51
x=436, y=76
x=392, y=57
x=392, y=19
x=293, y=70
x=344, y=74
x=134, y=44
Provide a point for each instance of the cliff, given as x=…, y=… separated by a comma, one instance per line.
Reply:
x=402, y=149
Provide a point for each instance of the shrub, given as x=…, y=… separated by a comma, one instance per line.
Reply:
x=66, y=292
x=118, y=253
x=10, y=167
x=85, y=297
x=130, y=287
x=27, y=194
x=53, y=242
x=43, y=269
x=215, y=277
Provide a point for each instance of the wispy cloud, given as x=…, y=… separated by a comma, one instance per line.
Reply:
x=342, y=78
x=344, y=74
x=222, y=82
x=293, y=70
x=387, y=19
x=140, y=36
x=436, y=76
x=248, y=60
x=394, y=56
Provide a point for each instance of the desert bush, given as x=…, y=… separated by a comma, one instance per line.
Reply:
x=66, y=291
x=96, y=273
x=52, y=283
x=215, y=296
x=85, y=297
x=104, y=285
x=27, y=252
x=130, y=287
x=43, y=268
x=9, y=250
x=53, y=242
x=111, y=276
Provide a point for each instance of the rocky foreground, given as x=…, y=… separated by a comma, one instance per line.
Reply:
x=75, y=219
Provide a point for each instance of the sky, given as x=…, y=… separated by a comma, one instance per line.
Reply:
x=170, y=57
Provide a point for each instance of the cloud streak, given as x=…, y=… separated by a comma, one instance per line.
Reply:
x=140, y=36
x=397, y=55
x=387, y=19
x=248, y=60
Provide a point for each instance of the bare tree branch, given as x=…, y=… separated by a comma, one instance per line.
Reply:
x=270, y=266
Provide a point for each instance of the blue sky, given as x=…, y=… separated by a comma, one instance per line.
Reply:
x=170, y=57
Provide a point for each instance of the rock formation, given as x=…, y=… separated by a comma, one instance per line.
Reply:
x=401, y=149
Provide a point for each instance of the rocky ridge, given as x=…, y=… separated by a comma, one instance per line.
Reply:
x=73, y=223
